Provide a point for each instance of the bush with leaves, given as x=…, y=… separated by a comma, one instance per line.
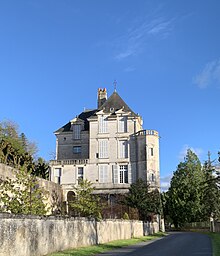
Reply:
x=22, y=195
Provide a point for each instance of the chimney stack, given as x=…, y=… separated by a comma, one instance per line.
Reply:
x=102, y=96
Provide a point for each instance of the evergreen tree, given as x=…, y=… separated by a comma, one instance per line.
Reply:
x=85, y=203
x=211, y=192
x=41, y=168
x=145, y=201
x=185, y=194
x=16, y=150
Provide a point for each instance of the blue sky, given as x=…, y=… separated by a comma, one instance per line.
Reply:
x=165, y=56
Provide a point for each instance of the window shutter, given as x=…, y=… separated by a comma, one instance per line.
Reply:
x=123, y=149
x=103, y=173
x=103, y=124
x=115, y=174
x=100, y=174
x=126, y=149
x=120, y=149
x=103, y=148
x=57, y=172
x=100, y=149
x=122, y=124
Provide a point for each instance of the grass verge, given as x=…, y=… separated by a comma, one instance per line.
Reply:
x=93, y=250
x=215, y=243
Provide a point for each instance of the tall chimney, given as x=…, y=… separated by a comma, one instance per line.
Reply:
x=102, y=96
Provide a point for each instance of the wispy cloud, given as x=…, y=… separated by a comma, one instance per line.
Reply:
x=129, y=69
x=183, y=151
x=162, y=27
x=165, y=182
x=132, y=42
x=209, y=75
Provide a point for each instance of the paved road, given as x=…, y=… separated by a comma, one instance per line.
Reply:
x=175, y=244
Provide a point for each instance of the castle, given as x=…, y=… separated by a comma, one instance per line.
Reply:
x=107, y=146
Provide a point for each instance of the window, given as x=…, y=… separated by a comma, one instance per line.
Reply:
x=122, y=124
x=57, y=175
x=103, y=173
x=57, y=172
x=152, y=177
x=115, y=174
x=151, y=151
x=76, y=131
x=123, y=149
x=103, y=124
x=103, y=148
x=123, y=173
x=80, y=174
x=77, y=149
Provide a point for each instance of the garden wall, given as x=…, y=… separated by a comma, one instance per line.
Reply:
x=37, y=236
x=54, y=200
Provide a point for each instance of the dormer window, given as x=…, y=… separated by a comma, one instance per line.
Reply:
x=76, y=131
x=103, y=124
x=112, y=110
x=122, y=124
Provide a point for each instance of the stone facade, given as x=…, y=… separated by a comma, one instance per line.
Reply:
x=107, y=146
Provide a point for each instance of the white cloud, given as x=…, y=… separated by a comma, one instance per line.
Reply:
x=209, y=75
x=165, y=182
x=183, y=151
x=132, y=42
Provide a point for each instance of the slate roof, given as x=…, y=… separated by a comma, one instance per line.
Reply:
x=116, y=102
x=111, y=105
x=83, y=116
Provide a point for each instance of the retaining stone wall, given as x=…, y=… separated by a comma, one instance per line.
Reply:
x=37, y=236
x=55, y=192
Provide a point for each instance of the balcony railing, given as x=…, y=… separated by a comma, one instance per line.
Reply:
x=145, y=132
x=69, y=161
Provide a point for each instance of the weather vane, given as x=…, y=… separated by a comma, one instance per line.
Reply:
x=115, y=85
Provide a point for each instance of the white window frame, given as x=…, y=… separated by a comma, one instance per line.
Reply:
x=103, y=148
x=123, y=174
x=103, y=124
